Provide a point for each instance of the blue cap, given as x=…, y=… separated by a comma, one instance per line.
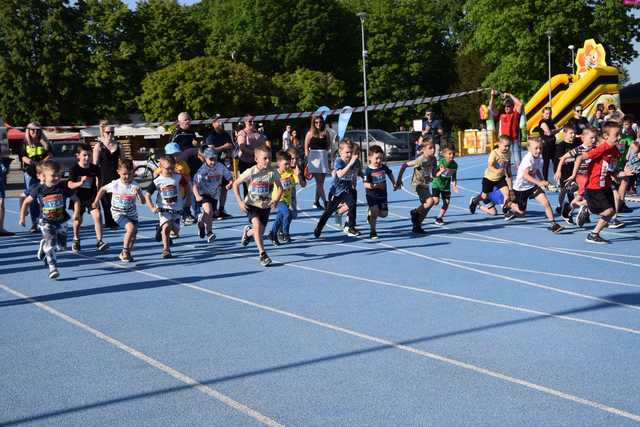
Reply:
x=172, y=148
x=209, y=153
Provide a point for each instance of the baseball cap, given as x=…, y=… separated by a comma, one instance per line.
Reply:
x=209, y=153
x=172, y=148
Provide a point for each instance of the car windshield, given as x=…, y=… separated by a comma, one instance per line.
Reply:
x=381, y=135
x=64, y=148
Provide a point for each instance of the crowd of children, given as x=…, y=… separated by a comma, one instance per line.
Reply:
x=594, y=177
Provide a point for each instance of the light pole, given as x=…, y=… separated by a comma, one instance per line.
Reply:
x=363, y=16
x=549, y=62
x=573, y=61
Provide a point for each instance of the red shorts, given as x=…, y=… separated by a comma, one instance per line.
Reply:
x=581, y=180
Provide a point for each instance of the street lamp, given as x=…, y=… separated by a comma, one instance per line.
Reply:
x=573, y=61
x=549, y=61
x=363, y=16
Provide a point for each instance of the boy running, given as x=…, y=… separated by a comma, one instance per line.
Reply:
x=123, y=205
x=496, y=175
x=563, y=171
x=289, y=177
x=446, y=173
x=262, y=180
x=51, y=196
x=84, y=179
x=423, y=173
x=207, y=187
x=375, y=184
x=170, y=202
x=529, y=184
x=599, y=193
x=343, y=191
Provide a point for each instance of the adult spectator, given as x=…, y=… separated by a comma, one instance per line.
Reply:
x=286, y=138
x=597, y=120
x=106, y=153
x=248, y=140
x=433, y=128
x=261, y=130
x=35, y=148
x=317, y=143
x=547, y=130
x=579, y=123
x=614, y=115
x=295, y=143
x=185, y=136
x=508, y=120
x=220, y=141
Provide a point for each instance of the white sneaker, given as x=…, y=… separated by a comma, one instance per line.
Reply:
x=40, y=254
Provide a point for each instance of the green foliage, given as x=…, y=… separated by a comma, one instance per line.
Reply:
x=40, y=75
x=512, y=36
x=168, y=32
x=203, y=86
x=111, y=73
x=306, y=90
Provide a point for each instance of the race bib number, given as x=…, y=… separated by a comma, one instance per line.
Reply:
x=169, y=194
x=286, y=183
x=123, y=201
x=378, y=177
x=53, y=207
x=260, y=188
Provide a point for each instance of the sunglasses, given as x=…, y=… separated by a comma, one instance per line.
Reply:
x=108, y=132
x=578, y=111
x=34, y=129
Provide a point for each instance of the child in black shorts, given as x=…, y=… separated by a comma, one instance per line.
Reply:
x=375, y=184
x=496, y=175
x=84, y=180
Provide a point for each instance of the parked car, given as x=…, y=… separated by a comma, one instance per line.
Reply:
x=410, y=137
x=392, y=146
x=64, y=152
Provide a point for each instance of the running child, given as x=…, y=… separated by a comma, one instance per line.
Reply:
x=285, y=208
x=207, y=186
x=343, y=209
x=264, y=192
x=123, y=205
x=343, y=190
x=51, y=195
x=170, y=202
x=599, y=192
x=496, y=175
x=446, y=174
x=588, y=138
x=375, y=184
x=563, y=171
x=84, y=180
x=173, y=150
x=424, y=170
x=529, y=185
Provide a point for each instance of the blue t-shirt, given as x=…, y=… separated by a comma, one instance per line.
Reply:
x=344, y=183
x=377, y=176
x=433, y=126
x=52, y=202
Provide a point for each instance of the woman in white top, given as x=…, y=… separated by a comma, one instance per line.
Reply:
x=317, y=144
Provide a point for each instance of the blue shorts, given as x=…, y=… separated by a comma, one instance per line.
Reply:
x=123, y=220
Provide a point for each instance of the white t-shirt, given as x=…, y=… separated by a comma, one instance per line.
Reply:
x=208, y=179
x=169, y=196
x=534, y=166
x=123, y=198
x=286, y=140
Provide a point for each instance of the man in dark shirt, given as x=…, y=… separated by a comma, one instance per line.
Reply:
x=185, y=137
x=432, y=127
x=220, y=141
x=578, y=123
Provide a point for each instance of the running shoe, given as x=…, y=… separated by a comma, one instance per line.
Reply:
x=418, y=230
x=583, y=216
x=274, y=238
x=125, y=256
x=596, y=239
x=280, y=235
x=211, y=237
x=373, y=235
x=556, y=228
x=101, y=246
x=414, y=218
x=40, y=254
x=224, y=215
x=75, y=246
x=244, y=241
x=439, y=221
x=5, y=233
x=201, y=230
x=189, y=220
x=566, y=211
x=33, y=229
x=286, y=238
x=509, y=215
x=615, y=223
x=351, y=231
x=473, y=205
x=158, y=234
x=265, y=260
x=317, y=205
x=53, y=273
x=173, y=234
x=166, y=254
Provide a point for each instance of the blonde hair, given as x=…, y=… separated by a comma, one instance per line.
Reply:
x=41, y=137
x=103, y=125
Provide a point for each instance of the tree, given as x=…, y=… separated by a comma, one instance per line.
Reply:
x=305, y=90
x=168, y=33
x=203, y=86
x=111, y=72
x=40, y=75
x=511, y=36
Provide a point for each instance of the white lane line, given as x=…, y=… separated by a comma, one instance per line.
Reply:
x=599, y=252
x=546, y=273
x=148, y=360
x=382, y=341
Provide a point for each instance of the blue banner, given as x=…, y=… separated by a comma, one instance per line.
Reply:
x=323, y=110
x=343, y=121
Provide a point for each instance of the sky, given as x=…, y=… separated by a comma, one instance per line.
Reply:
x=633, y=68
